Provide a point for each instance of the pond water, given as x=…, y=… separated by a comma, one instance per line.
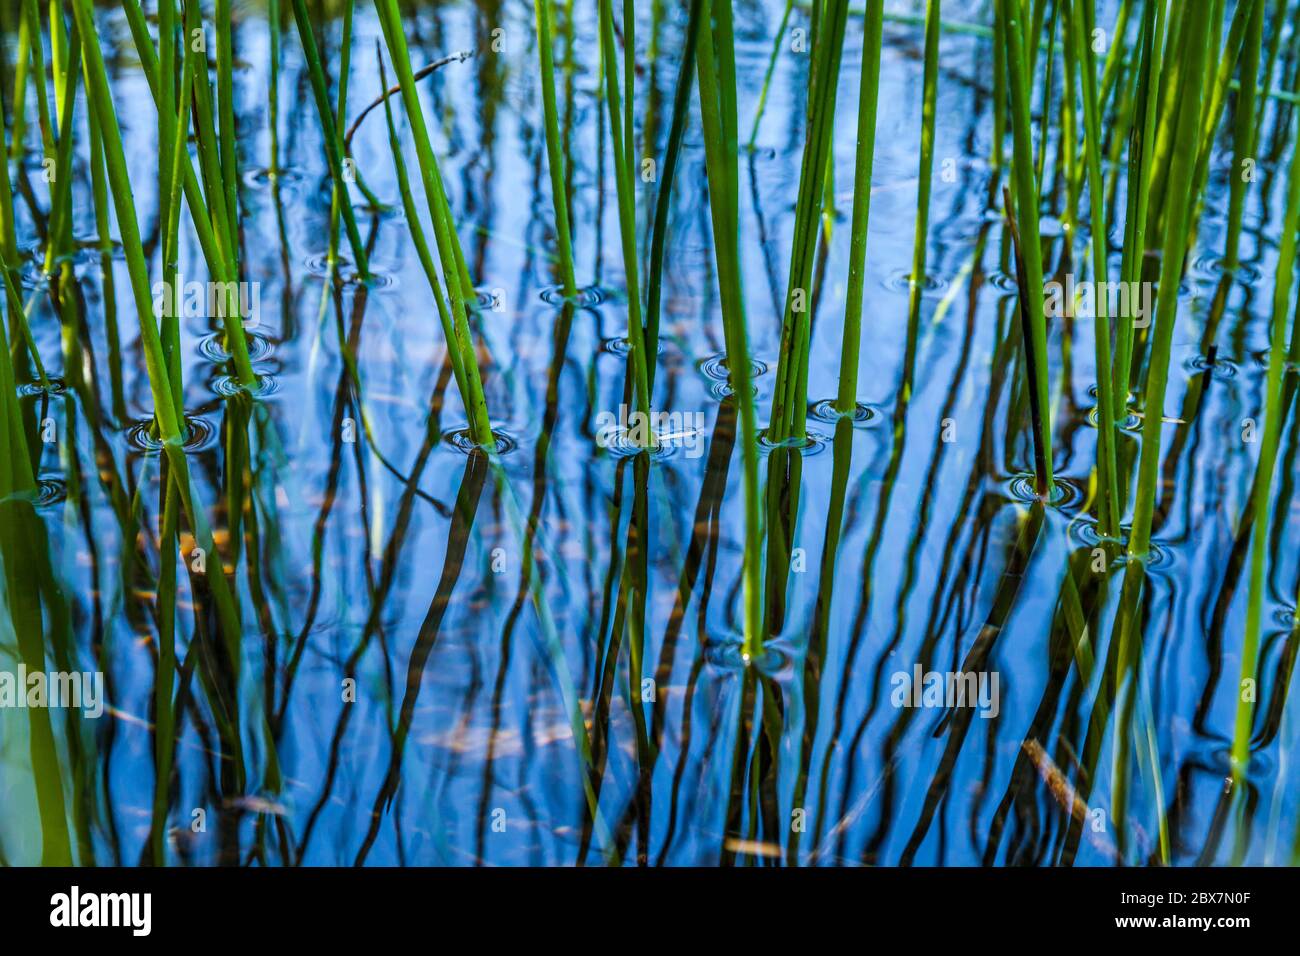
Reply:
x=441, y=661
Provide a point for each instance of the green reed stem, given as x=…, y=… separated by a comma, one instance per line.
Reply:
x=218, y=230
x=36, y=48
x=790, y=401
x=715, y=60
x=868, y=95
x=1100, y=231
x=226, y=119
x=166, y=102
x=554, y=144
x=206, y=137
x=1140, y=171
x=1049, y=84
x=1276, y=27
x=171, y=242
x=1213, y=110
x=454, y=270
x=273, y=84
x=60, y=218
x=1068, y=156
x=1026, y=215
x=338, y=193
x=1180, y=199
x=333, y=145
x=663, y=200
x=621, y=135
x=1115, y=55
x=1274, y=414
x=212, y=244
x=421, y=245
x=165, y=718
x=22, y=542
x=169, y=423
x=1243, y=140
x=929, y=104
x=18, y=127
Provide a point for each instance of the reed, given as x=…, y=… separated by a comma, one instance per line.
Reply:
x=868, y=97
x=1242, y=19
x=1141, y=160
x=617, y=99
x=1180, y=200
x=1277, y=26
x=164, y=711
x=925, y=174
x=412, y=213
x=1025, y=212
x=554, y=146
x=1079, y=35
x=21, y=544
x=224, y=32
x=1275, y=411
x=1244, y=134
x=663, y=199
x=1145, y=116
x=455, y=273
x=165, y=412
x=716, y=71
x=207, y=201
x=329, y=127
x=790, y=401
x=846, y=399
x=338, y=194
x=22, y=547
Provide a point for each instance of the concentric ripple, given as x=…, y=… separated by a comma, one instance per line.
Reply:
x=1022, y=487
x=213, y=347
x=813, y=443
x=462, y=440
x=229, y=386
x=50, y=490
x=901, y=281
x=825, y=411
x=196, y=435
x=587, y=297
